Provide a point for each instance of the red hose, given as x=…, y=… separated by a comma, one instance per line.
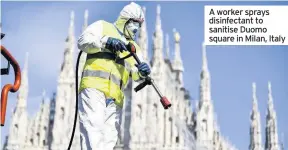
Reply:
x=9, y=87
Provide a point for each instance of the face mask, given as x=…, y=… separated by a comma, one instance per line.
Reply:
x=132, y=28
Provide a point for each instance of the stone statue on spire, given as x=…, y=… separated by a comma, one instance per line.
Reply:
x=176, y=36
x=255, y=126
x=271, y=139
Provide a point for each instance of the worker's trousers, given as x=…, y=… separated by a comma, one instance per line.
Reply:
x=99, y=120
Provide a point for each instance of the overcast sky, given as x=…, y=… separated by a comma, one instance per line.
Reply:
x=40, y=28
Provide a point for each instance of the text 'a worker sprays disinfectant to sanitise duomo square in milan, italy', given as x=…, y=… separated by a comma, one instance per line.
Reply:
x=188, y=124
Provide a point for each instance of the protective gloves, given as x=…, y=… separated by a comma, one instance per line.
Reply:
x=143, y=69
x=115, y=45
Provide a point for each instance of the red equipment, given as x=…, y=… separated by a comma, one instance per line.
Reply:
x=8, y=87
x=148, y=81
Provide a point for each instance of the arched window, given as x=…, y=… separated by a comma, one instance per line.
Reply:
x=16, y=129
x=177, y=139
x=155, y=110
x=140, y=111
x=204, y=125
x=62, y=113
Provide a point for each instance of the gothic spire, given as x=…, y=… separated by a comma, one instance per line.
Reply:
x=167, y=47
x=44, y=120
x=19, y=119
x=84, y=55
x=23, y=90
x=255, y=103
x=205, y=87
x=271, y=110
x=255, y=126
x=143, y=38
x=71, y=28
x=41, y=122
x=177, y=62
x=158, y=39
x=66, y=85
x=271, y=140
x=158, y=26
x=71, y=34
x=205, y=114
x=204, y=60
x=178, y=65
x=67, y=68
x=70, y=38
x=85, y=20
x=43, y=96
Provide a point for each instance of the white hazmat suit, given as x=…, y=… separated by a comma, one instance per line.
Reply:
x=99, y=116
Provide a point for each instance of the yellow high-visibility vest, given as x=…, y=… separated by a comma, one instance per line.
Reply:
x=103, y=73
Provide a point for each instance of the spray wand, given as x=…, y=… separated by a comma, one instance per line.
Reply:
x=148, y=80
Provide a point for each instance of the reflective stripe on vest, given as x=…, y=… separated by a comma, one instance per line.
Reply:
x=104, y=75
x=110, y=56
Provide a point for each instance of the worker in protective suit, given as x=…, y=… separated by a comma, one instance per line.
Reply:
x=105, y=75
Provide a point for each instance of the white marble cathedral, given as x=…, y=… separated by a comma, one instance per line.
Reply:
x=145, y=124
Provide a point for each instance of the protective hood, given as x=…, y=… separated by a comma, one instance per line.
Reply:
x=131, y=11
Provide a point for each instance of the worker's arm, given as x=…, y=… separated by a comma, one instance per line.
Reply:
x=136, y=75
x=91, y=40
